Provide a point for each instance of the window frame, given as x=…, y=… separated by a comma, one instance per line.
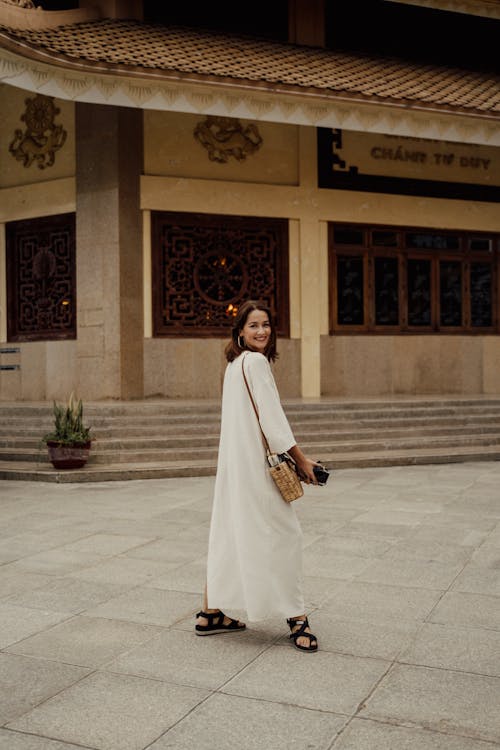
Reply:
x=219, y=222
x=368, y=251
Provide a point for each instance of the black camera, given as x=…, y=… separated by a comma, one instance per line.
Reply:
x=321, y=474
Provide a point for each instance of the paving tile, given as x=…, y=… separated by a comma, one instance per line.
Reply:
x=488, y=555
x=14, y=581
x=471, y=610
x=425, y=574
x=184, y=658
x=391, y=532
x=185, y=516
x=359, y=545
x=85, y=641
x=33, y=542
x=10, y=740
x=17, y=622
x=26, y=682
x=325, y=519
x=320, y=560
x=170, y=550
x=111, y=712
x=322, y=681
x=432, y=530
x=375, y=591
x=108, y=544
x=318, y=589
x=391, y=517
x=477, y=579
x=149, y=606
x=375, y=602
x=69, y=595
x=190, y=577
x=440, y=700
x=58, y=561
x=447, y=647
x=456, y=526
x=227, y=722
x=121, y=569
x=430, y=551
x=362, y=734
x=360, y=636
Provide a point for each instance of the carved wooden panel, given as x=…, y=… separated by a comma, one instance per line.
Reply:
x=41, y=278
x=205, y=266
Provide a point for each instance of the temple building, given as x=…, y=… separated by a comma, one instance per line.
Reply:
x=158, y=166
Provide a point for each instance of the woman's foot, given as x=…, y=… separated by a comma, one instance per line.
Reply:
x=213, y=621
x=301, y=634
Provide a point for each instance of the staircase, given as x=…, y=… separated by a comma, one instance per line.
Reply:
x=155, y=439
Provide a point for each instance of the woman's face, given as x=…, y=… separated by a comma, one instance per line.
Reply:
x=257, y=331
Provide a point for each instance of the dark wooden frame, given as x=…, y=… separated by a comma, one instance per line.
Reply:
x=12, y=231
x=219, y=223
x=368, y=251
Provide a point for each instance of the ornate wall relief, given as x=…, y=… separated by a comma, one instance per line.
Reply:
x=224, y=137
x=42, y=137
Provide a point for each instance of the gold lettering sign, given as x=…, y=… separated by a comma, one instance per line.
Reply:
x=414, y=158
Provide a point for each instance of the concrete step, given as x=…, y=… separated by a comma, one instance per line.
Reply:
x=304, y=422
x=151, y=470
x=162, y=438
x=104, y=441
x=102, y=454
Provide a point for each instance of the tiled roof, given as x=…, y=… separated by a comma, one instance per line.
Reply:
x=133, y=48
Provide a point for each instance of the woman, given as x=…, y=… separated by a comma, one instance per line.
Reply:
x=255, y=545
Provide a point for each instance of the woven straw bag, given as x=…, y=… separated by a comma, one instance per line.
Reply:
x=281, y=466
x=285, y=477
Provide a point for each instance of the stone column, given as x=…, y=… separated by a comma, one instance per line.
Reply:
x=109, y=157
x=311, y=288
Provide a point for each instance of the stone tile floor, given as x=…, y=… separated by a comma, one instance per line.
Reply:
x=99, y=584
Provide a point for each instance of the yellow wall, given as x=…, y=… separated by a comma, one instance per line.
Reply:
x=171, y=149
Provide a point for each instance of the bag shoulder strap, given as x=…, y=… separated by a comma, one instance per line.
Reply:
x=264, y=439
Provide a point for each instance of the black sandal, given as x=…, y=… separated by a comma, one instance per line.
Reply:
x=216, y=624
x=300, y=633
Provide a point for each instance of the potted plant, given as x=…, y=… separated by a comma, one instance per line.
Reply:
x=69, y=442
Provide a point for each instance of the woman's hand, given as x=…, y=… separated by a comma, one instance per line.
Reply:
x=304, y=465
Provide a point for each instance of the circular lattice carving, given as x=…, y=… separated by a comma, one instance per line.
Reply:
x=220, y=277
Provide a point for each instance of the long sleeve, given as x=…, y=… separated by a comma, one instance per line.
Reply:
x=272, y=418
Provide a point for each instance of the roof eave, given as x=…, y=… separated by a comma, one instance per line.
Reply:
x=58, y=75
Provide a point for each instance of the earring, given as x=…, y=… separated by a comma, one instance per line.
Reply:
x=241, y=342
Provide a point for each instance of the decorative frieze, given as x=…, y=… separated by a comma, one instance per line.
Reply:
x=272, y=106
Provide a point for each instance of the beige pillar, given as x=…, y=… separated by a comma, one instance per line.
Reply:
x=311, y=236
x=311, y=308
x=109, y=252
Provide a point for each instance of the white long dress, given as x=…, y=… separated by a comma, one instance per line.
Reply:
x=255, y=545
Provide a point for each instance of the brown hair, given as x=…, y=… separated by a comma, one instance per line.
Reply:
x=233, y=349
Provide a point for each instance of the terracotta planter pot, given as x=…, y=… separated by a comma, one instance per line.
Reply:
x=68, y=456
